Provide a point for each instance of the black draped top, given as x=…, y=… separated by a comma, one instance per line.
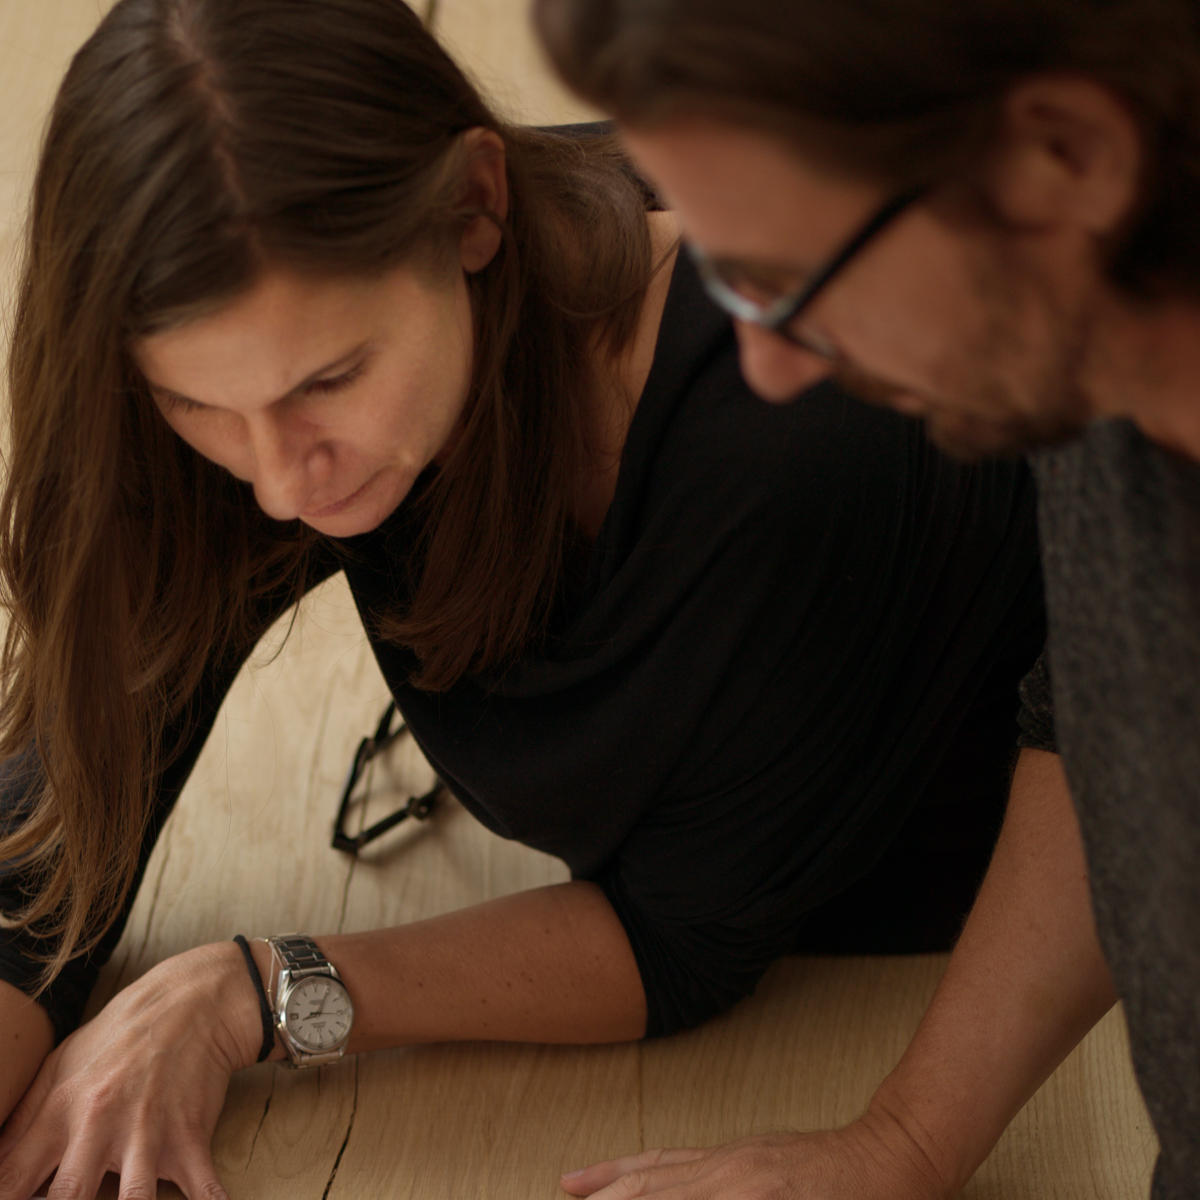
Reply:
x=791, y=618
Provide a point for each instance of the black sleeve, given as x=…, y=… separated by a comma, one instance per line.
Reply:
x=21, y=951
x=1036, y=717
x=692, y=970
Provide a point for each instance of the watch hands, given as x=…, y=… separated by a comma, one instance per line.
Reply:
x=321, y=1007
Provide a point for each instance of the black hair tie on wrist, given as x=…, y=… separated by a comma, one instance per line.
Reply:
x=263, y=1004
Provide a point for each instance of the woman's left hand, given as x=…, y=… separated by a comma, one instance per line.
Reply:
x=867, y=1160
x=138, y=1089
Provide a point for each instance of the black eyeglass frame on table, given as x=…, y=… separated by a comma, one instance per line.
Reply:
x=419, y=807
x=780, y=315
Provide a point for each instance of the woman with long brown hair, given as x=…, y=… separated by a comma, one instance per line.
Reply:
x=296, y=302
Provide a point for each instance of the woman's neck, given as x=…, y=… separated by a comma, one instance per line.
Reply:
x=620, y=383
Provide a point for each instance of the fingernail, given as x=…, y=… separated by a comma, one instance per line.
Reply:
x=573, y=1174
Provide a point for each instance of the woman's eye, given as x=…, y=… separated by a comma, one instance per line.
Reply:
x=179, y=403
x=173, y=402
x=323, y=387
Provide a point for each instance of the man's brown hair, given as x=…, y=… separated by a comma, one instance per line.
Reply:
x=905, y=91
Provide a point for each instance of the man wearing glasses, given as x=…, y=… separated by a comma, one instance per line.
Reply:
x=987, y=215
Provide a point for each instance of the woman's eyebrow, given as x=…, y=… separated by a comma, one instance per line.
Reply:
x=360, y=351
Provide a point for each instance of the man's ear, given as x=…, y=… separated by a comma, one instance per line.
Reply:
x=1068, y=152
x=487, y=189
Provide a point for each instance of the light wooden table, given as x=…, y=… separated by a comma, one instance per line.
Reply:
x=247, y=850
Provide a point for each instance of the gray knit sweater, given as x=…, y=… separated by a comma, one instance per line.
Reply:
x=1120, y=528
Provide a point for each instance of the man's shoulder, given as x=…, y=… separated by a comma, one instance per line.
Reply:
x=1113, y=491
x=1110, y=460
x=1119, y=520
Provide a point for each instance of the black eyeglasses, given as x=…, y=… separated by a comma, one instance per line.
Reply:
x=781, y=316
x=418, y=806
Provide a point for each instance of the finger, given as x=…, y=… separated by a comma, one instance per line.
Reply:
x=652, y=1183
x=27, y=1108
x=599, y=1175
x=197, y=1177
x=78, y=1176
x=18, y=1122
x=139, y=1176
x=676, y=1181
x=28, y=1165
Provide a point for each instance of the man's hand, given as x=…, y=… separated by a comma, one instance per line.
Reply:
x=871, y=1159
x=1026, y=981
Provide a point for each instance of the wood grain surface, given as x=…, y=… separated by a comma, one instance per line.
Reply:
x=248, y=850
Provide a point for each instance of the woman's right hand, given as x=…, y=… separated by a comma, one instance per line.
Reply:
x=138, y=1089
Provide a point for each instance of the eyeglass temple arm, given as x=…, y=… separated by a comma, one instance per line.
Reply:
x=382, y=734
x=888, y=213
x=418, y=806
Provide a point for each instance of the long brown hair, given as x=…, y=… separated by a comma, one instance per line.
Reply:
x=905, y=91
x=194, y=143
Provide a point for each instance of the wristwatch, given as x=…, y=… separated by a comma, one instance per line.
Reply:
x=313, y=1012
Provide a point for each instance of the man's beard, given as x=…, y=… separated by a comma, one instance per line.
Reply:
x=994, y=426
x=1005, y=396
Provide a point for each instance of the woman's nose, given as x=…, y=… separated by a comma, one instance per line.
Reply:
x=289, y=468
x=777, y=370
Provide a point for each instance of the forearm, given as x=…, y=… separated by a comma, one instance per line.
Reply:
x=1026, y=982
x=28, y=1036
x=548, y=965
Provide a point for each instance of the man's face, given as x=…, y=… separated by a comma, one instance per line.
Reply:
x=980, y=330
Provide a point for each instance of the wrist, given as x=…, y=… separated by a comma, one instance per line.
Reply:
x=315, y=1011
x=917, y=1159
x=221, y=968
x=264, y=961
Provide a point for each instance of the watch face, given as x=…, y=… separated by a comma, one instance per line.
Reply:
x=318, y=1013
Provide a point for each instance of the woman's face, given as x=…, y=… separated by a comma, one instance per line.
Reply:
x=328, y=396
x=331, y=396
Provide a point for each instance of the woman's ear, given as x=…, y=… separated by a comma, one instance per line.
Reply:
x=487, y=189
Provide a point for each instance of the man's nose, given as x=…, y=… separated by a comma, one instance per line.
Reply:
x=289, y=469
x=777, y=370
